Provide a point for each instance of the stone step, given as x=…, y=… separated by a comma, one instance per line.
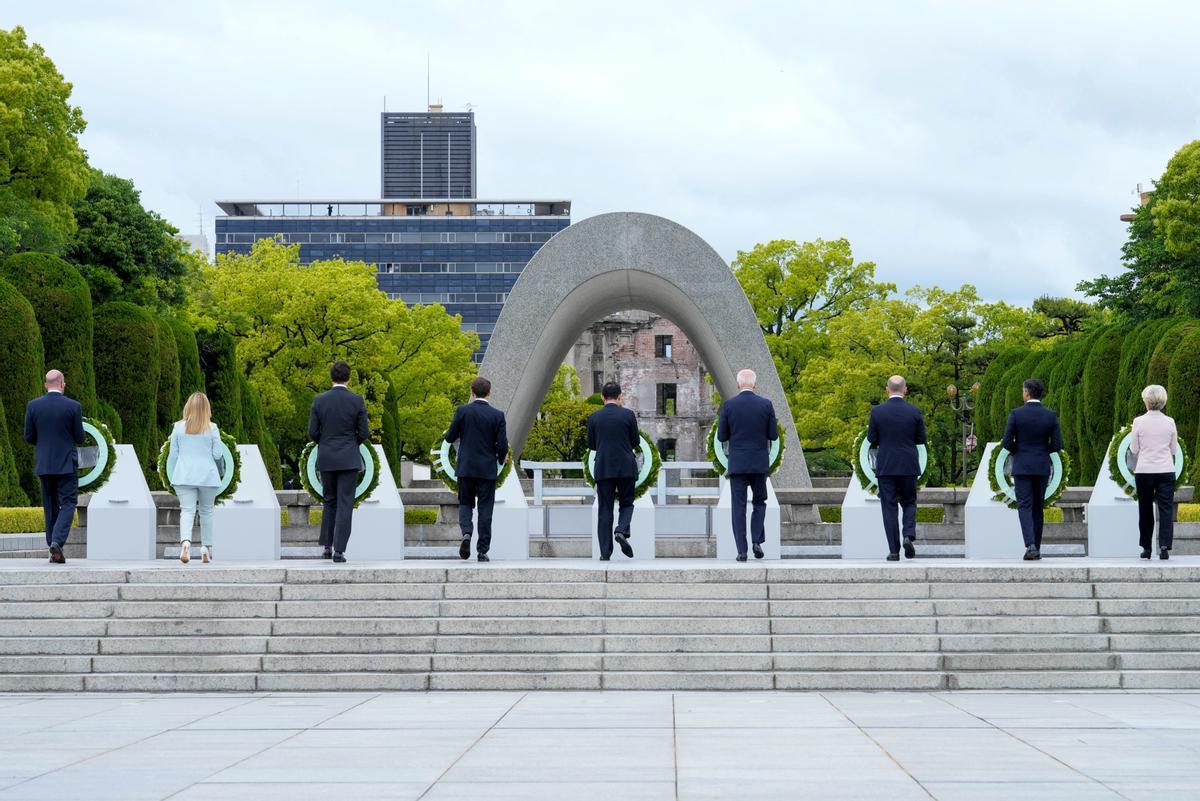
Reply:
x=1025, y=660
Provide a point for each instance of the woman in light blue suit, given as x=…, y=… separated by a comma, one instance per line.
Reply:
x=192, y=468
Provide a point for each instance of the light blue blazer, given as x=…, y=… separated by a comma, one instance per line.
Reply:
x=193, y=458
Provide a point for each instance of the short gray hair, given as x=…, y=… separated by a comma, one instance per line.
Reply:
x=746, y=378
x=896, y=384
x=1155, y=397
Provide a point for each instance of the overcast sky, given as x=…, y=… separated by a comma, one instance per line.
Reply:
x=994, y=143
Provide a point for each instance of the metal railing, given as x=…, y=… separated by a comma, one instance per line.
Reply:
x=662, y=490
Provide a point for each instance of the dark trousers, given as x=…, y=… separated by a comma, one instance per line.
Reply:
x=470, y=492
x=607, y=489
x=339, y=507
x=1156, y=489
x=1031, y=494
x=898, y=491
x=59, y=496
x=757, y=484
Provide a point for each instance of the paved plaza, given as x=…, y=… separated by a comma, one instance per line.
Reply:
x=591, y=745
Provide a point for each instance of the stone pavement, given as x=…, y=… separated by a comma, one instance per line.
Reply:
x=612, y=745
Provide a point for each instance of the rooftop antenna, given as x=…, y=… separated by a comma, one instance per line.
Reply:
x=385, y=104
x=426, y=79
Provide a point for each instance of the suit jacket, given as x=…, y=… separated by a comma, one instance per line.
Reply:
x=482, y=440
x=896, y=427
x=612, y=433
x=1032, y=434
x=747, y=422
x=54, y=426
x=338, y=424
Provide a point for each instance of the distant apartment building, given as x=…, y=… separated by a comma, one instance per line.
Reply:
x=661, y=376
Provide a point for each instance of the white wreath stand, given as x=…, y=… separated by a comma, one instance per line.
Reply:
x=862, y=524
x=993, y=531
x=121, y=516
x=377, y=528
x=1112, y=517
x=246, y=525
x=510, y=522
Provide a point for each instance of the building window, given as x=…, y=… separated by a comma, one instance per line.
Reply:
x=666, y=450
x=662, y=346
x=597, y=381
x=665, y=399
x=597, y=345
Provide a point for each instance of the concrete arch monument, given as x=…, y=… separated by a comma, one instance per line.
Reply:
x=614, y=262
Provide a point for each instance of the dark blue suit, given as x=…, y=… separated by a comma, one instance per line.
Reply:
x=1032, y=434
x=482, y=443
x=338, y=424
x=54, y=426
x=896, y=428
x=612, y=433
x=747, y=422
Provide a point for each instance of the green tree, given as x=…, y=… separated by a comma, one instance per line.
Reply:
x=191, y=379
x=60, y=300
x=1067, y=315
x=43, y=170
x=1162, y=253
x=390, y=432
x=1070, y=380
x=1136, y=350
x=254, y=428
x=1159, y=369
x=1099, y=379
x=290, y=321
x=560, y=432
x=992, y=393
x=168, y=405
x=125, y=251
x=128, y=360
x=222, y=382
x=11, y=493
x=22, y=370
x=1183, y=389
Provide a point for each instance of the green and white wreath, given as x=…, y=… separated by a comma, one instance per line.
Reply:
x=97, y=435
x=1121, y=470
x=866, y=471
x=233, y=467
x=1002, y=485
x=720, y=460
x=310, y=476
x=648, y=474
x=443, y=465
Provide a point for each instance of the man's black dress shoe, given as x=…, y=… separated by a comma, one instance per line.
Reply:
x=741, y=557
x=623, y=541
x=893, y=557
x=1145, y=553
x=604, y=558
x=1032, y=554
x=758, y=551
x=328, y=554
x=339, y=557
x=483, y=557
x=1165, y=553
x=56, y=555
x=464, y=548
x=910, y=550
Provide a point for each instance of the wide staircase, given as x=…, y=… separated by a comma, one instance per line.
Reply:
x=578, y=626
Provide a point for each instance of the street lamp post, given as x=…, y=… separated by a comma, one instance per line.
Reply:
x=964, y=405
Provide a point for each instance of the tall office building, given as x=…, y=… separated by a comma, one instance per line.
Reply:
x=430, y=154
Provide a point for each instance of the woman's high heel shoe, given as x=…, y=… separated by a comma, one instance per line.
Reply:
x=185, y=552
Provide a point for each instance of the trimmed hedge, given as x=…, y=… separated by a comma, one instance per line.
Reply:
x=62, y=303
x=255, y=428
x=1183, y=391
x=1015, y=380
x=169, y=407
x=11, y=493
x=992, y=391
x=1135, y=359
x=127, y=366
x=25, y=520
x=1099, y=378
x=390, y=434
x=191, y=379
x=420, y=517
x=925, y=514
x=108, y=415
x=1070, y=381
x=218, y=362
x=21, y=377
x=1159, y=369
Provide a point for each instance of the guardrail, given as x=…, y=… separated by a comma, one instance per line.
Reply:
x=663, y=490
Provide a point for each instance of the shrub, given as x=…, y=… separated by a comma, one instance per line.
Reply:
x=1069, y=380
x=1135, y=359
x=390, y=432
x=1099, y=378
x=11, y=493
x=1183, y=392
x=218, y=362
x=256, y=433
x=991, y=393
x=109, y=416
x=1014, y=379
x=925, y=514
x=127, y=365
x=420, y=517
x=25, y=520
x=62, y=303
x=1187, y=513
x=190, y=378
x=169, y=407
x=1159, y=369
x=21, y=376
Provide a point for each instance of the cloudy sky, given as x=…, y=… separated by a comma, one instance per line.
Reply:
x=994, y=143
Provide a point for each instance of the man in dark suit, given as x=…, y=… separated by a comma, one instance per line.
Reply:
x=747, y=422
x=54, y=426
x=1032, y=434
x=338, y=424
x=482, y=448
x=896, y=428
x=612, y=433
